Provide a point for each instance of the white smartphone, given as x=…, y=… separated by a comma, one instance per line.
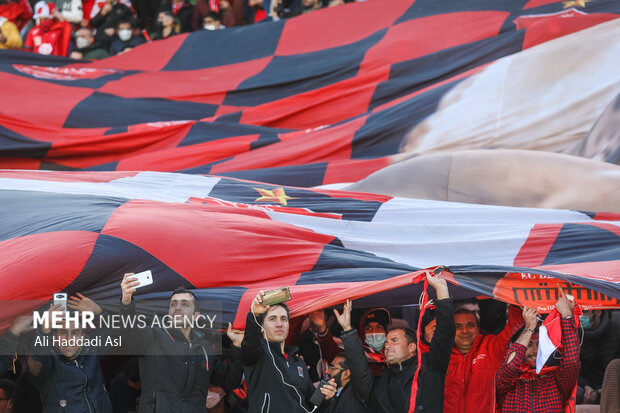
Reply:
x=61, y=298
x=144, y=278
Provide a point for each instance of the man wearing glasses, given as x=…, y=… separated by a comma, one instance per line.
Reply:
x=347, y=398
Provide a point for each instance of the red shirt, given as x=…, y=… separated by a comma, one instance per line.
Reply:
x=470, y=383
x=519, y=391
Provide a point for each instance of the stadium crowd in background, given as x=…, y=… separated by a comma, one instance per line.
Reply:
x=460, y=359
x=96, y=29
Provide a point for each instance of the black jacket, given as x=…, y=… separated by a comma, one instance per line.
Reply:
x=347, y=401
x=390, y=392
x=176, y=373
x=8, y=348
x=71, y=386
x=266, y=391
x=599, y=347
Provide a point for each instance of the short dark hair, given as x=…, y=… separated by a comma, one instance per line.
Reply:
x=213, y=15
x=261, y=318
x=342, y=355
x=121, y=21
x=466, y=311
x=85, y=28
x=8, y=386
x=410, y=335
x=183, y=290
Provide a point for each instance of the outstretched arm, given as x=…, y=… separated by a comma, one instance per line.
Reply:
x=140, y=339
x=568, y=372
x=251, y=348
x=327, y=344
x=228, y=375
x=361, y=375
x=438, y=356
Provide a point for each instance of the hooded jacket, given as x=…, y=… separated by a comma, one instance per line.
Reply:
x=390, y=392
x=175, y=372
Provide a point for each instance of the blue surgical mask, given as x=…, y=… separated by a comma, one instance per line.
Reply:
x=375, y=341
x=585, y=321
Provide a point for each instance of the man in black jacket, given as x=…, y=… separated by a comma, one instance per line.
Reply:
x=390, y=392
x=347, y=398
x=175, y=368
x=277, y=379
x=66, y=372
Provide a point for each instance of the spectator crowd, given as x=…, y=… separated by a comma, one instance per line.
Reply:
x=96, y=29
x=461, y=356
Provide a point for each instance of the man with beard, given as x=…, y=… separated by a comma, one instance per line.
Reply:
x=348, y=397
x=391, y=391
x=175, y=368
x=519, y=387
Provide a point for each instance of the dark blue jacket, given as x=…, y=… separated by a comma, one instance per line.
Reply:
x=77, y=384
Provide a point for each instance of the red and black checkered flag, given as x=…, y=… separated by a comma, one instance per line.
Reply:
x=325, y=97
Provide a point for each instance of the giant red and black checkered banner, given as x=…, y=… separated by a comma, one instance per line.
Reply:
x=227, y=238
x=321, y=98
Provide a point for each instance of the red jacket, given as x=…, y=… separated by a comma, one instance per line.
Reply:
x=55, y=41
x=470, y=383
x=522, y=390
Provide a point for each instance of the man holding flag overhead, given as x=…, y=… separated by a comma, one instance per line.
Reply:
x=522, y=383
x=408, y=376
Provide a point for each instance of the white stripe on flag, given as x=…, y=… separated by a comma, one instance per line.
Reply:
x=545, y=348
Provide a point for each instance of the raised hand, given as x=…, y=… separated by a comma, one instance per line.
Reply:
x=21, y=324
x=318, y=319
x=82, y=303
x=564, y=305
x=236, y=336
x=439, y=284
x=128, y=287
x=344, y=319
x=257, y=304
x=46, y=329
x=530, y=315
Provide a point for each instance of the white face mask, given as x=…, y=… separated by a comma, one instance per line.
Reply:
x=81, y=43
x=209, y=27
x=375, y=341
x=213, y=399
x=124, y=34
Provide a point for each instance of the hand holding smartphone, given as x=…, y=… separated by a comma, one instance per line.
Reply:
x=61, y=299
x=144, y=278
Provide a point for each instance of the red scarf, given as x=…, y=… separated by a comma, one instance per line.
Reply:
x=528, y=373
x=46, y=25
